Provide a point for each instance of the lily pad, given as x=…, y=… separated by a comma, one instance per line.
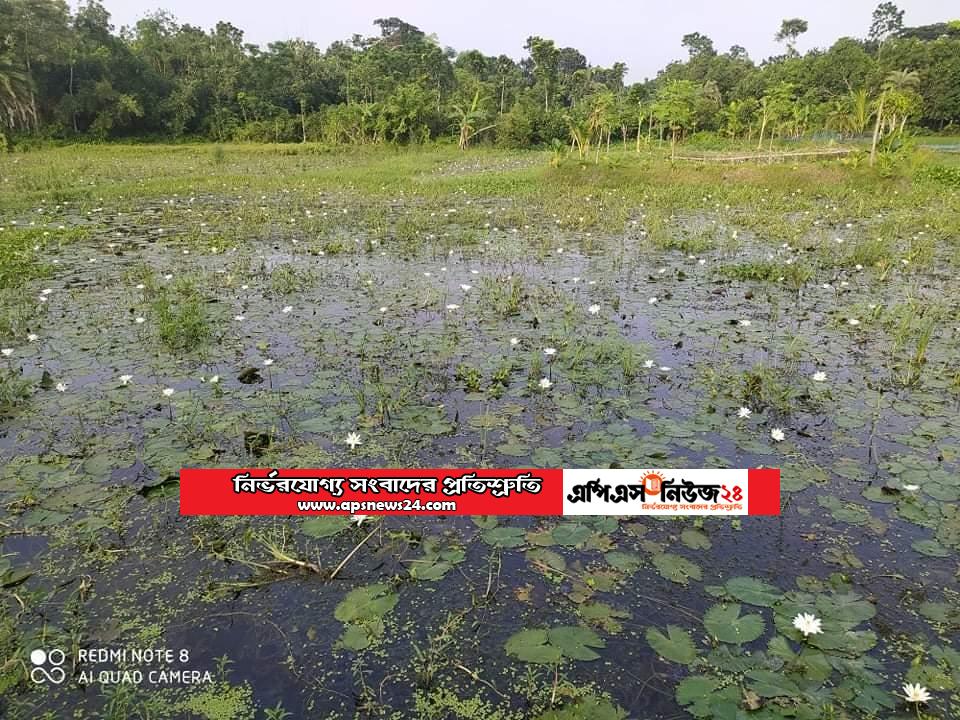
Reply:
x=726, y=624
x=677, y=569
x=550, y=646
x=505, y=537
x=753, y=591
x=676, y=645
x=324, y=526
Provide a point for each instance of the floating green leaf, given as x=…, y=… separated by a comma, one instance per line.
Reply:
x=571, y=534
x=623, y=561
x=576, y=641
x=676, y=645
x=753, y=591
x=531, y=646
x=770, y=684
x=364, y=603
x=726, y=624
x=506, y=537
x=324, y=526
x=695, y=539
x=676, y=569
x=549, y=646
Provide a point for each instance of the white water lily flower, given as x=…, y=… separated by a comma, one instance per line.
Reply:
x=287, y=309
x=745, y=323
x=916, y=693
x=777, y=434
x=453, y=306
x=353, y=439
x=853, y=321
x=807, y=624
x=466, y=287
x=214, y=380
x=167, y=392
x=665, y=368
x=140, y=320
x=383, y=308
x=549, y=351
x=593, y=309
x=545, y=383
x=268, y=362
x=819, y=376
x=652, y=301
x=648, y=363
x=125, y=379
x=911, y=488
x=514, y=341
x=61, y=387
x=33, y=337
x=359, y=519
x=744, y=412
x=7, y=352
x=239, y=318
x=46, y=291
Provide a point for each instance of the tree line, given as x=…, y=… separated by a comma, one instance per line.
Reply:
x=70, y=74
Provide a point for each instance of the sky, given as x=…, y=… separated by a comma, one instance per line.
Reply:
x=645, y=35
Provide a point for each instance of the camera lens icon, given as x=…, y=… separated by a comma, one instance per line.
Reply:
x=47, y=666
x=38, y=657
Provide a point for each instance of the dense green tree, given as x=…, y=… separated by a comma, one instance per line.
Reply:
x=698, y=45
x=674, y=107
x=70, y=73
x=887, y=20
x=789, y=31
x=546, y=66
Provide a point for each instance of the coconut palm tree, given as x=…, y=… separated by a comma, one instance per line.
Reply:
x=898, y=98
x=902, y=80
x=860, y=112
x=15, y=106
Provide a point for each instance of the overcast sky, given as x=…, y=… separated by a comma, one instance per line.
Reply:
x=645, y=35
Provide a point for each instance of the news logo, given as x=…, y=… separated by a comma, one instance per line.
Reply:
x=652, y=482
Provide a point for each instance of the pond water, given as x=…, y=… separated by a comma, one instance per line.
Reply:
x=410, y=343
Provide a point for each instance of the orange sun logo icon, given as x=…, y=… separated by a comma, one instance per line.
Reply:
x=651, y=483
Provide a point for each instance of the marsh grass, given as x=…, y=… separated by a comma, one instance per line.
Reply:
x=180, y=317
x=19, y=315
x=910, y=326
x=22, y=256
x=770, y=387
x=506, y=298
x=286, y=279
x=15, y=390
x=794, y=275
